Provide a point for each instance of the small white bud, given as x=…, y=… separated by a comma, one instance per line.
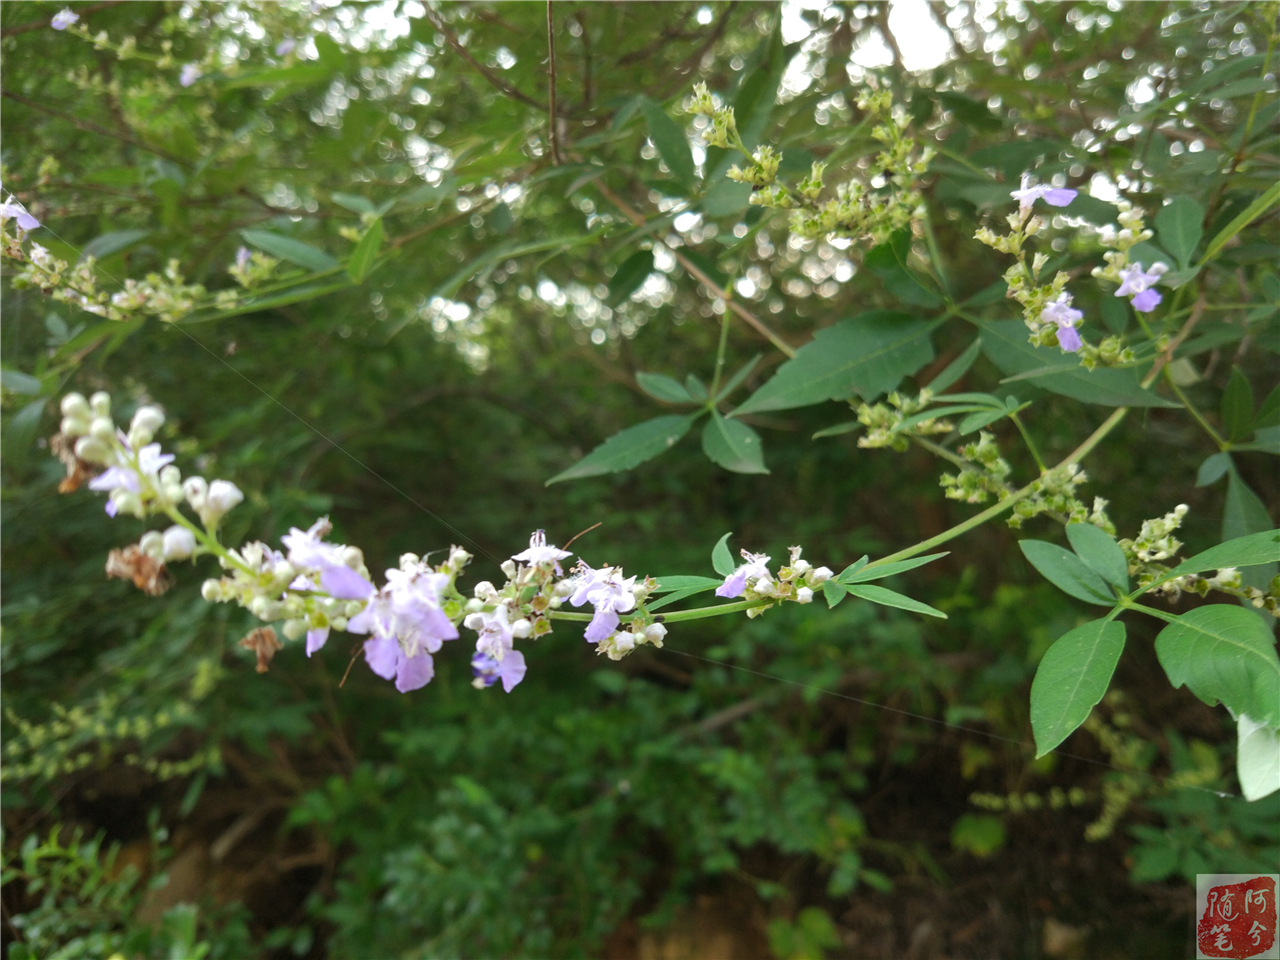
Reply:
x=765, y=587
x=211, y=590
x=283, y=570
x=804, y=595
x=91, y=450
x=152, y=544
x=459, y=558
x=819, y=576
x=354, y=607
x=223, y=495
x=484, y=590
x=555, y=603
x=75, y=405
x=801, y=567
x=195, y=489
x=100, y=403
x=74, y=426
x=474, y=605
x=655, y=633
x=509, y=569
x=521, y=629
x=139, y=438
x=127, y=502
x=624, y=642
x=562, y=589
x=171, y=476
x=353, y=557
x=179, y=543
x=293, y=629
x=474, y=621
x=147, y=418
x=407, y=560
x=101, y=428
x=338, y=623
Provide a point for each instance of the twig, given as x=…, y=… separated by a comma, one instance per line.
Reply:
x=582, y=533
x=691, y=61
x=93, y=127
x=452, y=39
x=552, y=119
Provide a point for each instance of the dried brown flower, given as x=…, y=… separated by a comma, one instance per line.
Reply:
x=147, y=573
x=264, y=643
x=78, y=471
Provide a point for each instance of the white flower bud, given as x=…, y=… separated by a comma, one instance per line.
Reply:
x=100, y=403
x=509, y=569
x=353, y=557
x=1180, y=510
x=147, y=418
x=211, y=590
x=74, y=426
x=195, y=489
x=555, y=603
x=152, y=544
x=484, y=590
x=459, y=558
x=521, y=629
x=804, y=595
x=179, y=543
x=474, y=605
x=223, y=495
x=338, y=623
x=127, y=502
x=101, y=428
x=474, y=621
x=819, y=576
x=801, y=567
x=293, y=629
x=139, y=438
x=75, y=405
x=624, y=642
x=562, y=589
x=407, y=560
x=294, y=605
x=655, y=633
x=92, y=451
x=353, y=607
x=171, y=476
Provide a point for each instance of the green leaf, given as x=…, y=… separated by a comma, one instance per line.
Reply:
x=294, y=251
x=976, y=421
x=1072, y=677
x=956, y=369
x=735, y=381
x=353, y=202
x=1244, y=513
x=868, y=355
x=852, y=568
x=678, y=595
x=721, y=558
x=302, y=75
x=1257, y=758
x=106, y=244
x=834, y=431
x=630, y=448
x=891, y=598
x=19, y=434
x=15, y=381
x=661, y=387
x=696, y=388
x=834, y=592
x=1247, y=551
x=630, y=274
x=1212, y=469
x=672, y=144
x=1005, y=343
x=1178, y=225
x=365, y=253
x=1269, y=412
x=888, y=262
x=1246, y=217
x=979, y=834
x=1067, y=572
x=1224, y=653
x=666, y=584
x=864, y=573
x=1237, y=406
x=733, y=445
x=1100, y=553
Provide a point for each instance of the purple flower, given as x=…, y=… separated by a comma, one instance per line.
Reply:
x=408, y=625
x=242, y=257
x=190, y=74
x=488, y=671
x=285, y=47
x=495, y=638
x=316, y=639
x=1138, y=285
x=609, y=593
x=1061, y=312
x=735, y=584
x=11, y=209
x=540, y=553
x=125, y=476
x=63, y=19
x=308, y=551
x=1030, y=193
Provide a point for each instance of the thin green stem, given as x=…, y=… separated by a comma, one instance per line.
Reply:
x=1150, y=611
x=715, y=376
x=935, y=256
x=1031, y=446
x=938, y=450
x=1191, y=409
x=679, y=616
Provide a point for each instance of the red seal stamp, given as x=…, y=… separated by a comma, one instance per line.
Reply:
x=1236, y=916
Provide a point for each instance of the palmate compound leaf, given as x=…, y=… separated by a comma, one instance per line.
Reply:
x=1067, y=572
x=1071, y=679
x=630, y=448
x=1224, y=654
x=865, y=355
x=733, y=445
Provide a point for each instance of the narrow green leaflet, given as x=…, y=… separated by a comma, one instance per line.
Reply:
x=1100, y=553
x=1067, y=572
x=677, y=596
x=1249, y=551
x=852, y=568
x=976, y=421
x=683, y=582
x=733, y=445
x=1245, y=513
x=891, y=598
x=1178, y=225
x=834, y=592
x=669, y=138
x=859, y=573
x=106, y=244
x=286, y=248
x=956, y=369
x=1257, y=758
x=16, y=381
x=365, y=253
x=1071, y=679
x=1224, y=653
x=1246, y=217
x=721, y=558
x=836, y=430
x=630, y=448
x=661, y=387
x=735, y=381
x=865, y=355
x=630, y=274
x=1213, y=468
x=1237, y=406
x=1005, y=343
x=1269, y=412
x=353, y=202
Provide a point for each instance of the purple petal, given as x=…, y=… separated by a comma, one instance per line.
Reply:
x=382, y=653
x=733, y=585
x=111, y=508
x=1069, y=339
x=414, y=672
x=1146, y=301
x=602, y=625
x=1059, y=196
x=362, y=622
x=512, y=669
x=343, y=583
x=316, y=639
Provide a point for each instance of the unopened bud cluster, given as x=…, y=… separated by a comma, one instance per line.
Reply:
x=753, y=580
x=887, y=424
